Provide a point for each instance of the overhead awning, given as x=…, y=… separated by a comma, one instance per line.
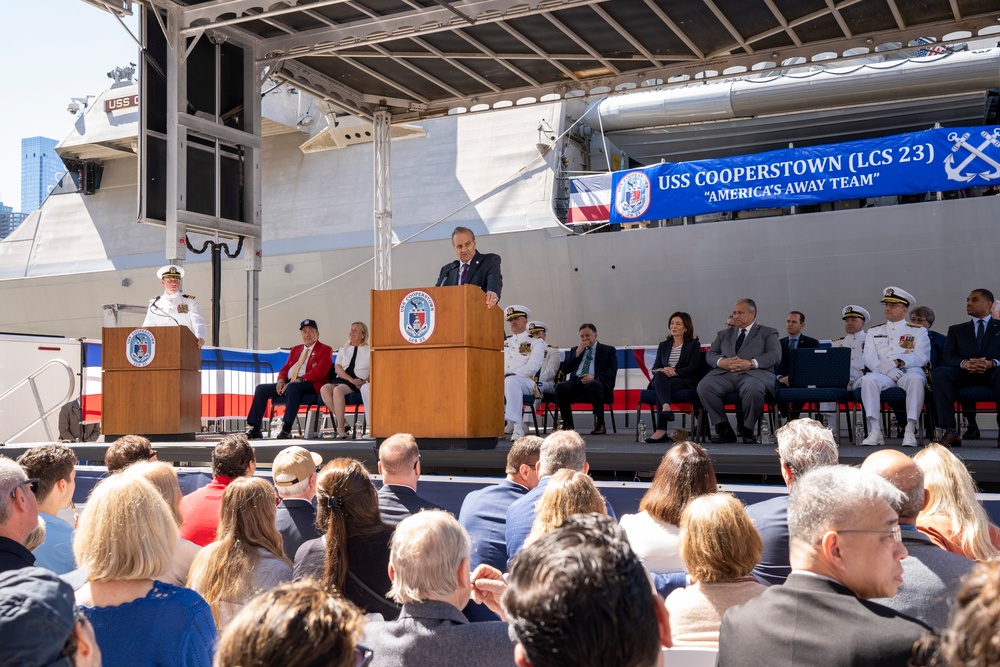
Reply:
x=424, y=58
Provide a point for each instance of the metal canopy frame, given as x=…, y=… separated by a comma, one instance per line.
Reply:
x=425, y=58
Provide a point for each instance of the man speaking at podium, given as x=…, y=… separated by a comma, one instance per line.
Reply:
x=173, y=309
x=472, y=267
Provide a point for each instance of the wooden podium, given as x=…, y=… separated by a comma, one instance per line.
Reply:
x=447, y=389
x=151, y=397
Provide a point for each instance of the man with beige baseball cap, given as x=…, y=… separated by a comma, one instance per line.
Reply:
x=295, y=470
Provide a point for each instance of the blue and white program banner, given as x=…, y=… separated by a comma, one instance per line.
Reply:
x=931, y=161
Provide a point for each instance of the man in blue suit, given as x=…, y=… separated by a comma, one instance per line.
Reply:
x=971, y=359
x=472, y=267
x=484, y=512
x=562, y=449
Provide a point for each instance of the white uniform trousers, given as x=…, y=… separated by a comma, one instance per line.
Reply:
x=912, y=382
x=515, y=388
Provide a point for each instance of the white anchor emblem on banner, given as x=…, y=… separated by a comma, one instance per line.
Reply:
x=955, y=172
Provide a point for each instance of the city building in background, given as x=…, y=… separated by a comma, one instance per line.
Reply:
x=9, y=220
x=41, y=170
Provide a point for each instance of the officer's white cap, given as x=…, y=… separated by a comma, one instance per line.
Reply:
x=535, y=326
x=170, y=271
x=516, y=311
x=893, y=294
x=856, y=311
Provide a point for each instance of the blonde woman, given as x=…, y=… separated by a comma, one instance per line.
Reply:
x=953, y=517
x=164, y=478
x=125, y=538
x=569, y=492
x=348, y=375
x=247, y=556
x=720, y=546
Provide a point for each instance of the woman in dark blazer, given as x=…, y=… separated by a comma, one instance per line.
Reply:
x=670, y=375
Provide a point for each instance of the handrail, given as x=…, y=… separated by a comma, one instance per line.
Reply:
x=44, y=414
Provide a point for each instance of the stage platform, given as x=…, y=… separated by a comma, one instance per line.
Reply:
x=611, y=457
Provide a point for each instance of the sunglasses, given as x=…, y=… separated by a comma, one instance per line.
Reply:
x=363, y=656
x=32, y=484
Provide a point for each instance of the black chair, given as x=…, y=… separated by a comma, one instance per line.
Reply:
x=685, y=397
x=819, y=375
x=528, y=403
x=968, y=398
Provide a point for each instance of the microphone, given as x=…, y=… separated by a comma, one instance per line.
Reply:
x=163, y=312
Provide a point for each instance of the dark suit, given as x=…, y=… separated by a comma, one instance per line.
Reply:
x=771, y=519
x=436, y=634
x=484, y=271
x=687, y=368
x=13, y=555
x=949, y=376
x=931, y=577
x=938, y=341
x=816, y=622
x=604, y=368
x=760, y=344
x=484, y=516
x=396, y=502
x=295, y=519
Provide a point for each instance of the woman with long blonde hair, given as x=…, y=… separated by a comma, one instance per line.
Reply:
x=954, y=518
x=569, y=492
x=247, y=556
x=352, y=555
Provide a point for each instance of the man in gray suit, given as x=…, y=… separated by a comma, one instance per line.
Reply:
x=742, y=359
x=429, y=569
x=931, y=575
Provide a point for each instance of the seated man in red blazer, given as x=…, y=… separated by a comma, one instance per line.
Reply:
x=306, y=370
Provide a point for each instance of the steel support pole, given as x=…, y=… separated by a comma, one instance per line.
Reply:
x=381, y=127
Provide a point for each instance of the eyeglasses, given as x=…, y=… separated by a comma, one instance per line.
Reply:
x=363, y=656
x=32, y=484
x=895, y=531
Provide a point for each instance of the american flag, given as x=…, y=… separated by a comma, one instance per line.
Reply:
x=933, y=49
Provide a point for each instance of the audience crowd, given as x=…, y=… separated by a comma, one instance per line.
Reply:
x=892, y=563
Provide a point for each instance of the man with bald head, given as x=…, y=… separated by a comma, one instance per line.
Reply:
x=931, y=575
x=399, y=465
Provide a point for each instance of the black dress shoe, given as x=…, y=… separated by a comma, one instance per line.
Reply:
x=600, y=430
x=667, y=416
x=284, y=435
x=725, y=435
x=971, y=434
x=253, y=433
x=748, y=436
x=663, y=438
x=951, y=438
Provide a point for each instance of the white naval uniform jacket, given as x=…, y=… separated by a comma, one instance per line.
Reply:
x=168, y=310
x=856, y=342
x=889, y=341
x=523, y=355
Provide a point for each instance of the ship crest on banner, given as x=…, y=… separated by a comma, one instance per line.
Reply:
x=632, y=195
x=976, y=156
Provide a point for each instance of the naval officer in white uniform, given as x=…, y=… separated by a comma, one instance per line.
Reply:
x=855, y=318
x=522, y=358
x=896, y=352
x=553, y=359
x=173, y=308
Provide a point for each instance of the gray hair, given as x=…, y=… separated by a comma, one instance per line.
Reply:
x=11, y=476
x=751, y=304
x=296, y=489
x=804, y=444
x=426, y=550
x=562, y=449
x=924, y=312
x=832, y=497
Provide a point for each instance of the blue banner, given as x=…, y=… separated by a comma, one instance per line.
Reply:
x=930, y=161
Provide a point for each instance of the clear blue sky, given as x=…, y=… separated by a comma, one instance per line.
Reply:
x=52, y=50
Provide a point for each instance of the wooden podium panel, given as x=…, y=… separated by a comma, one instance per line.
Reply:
x=451, y=385
x=161, y=398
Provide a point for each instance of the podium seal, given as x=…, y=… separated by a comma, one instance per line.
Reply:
x=140, y=348
x=416, y=317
